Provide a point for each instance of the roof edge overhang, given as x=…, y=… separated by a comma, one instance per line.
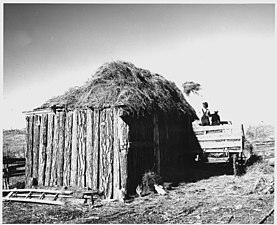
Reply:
x=63, y=109
x=37, y=112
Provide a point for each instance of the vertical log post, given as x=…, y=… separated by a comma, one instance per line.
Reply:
x=95, y=153
x=106, y=149
x=84, y=145
x=37, y=124
x=42, y=150
x=89, y=148
x=116, y=169
x=29, y=151
x=49, y=148
x=123, y=134
x=74, y=154
x=82, y=148
x=108, y=169
x=60, y=163
x=55, y=151
x=157, y=143
x=68, y=149
x=101, y=149
x=27, y=142
x=79, y=152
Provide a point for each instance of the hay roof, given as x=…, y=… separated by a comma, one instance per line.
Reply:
x=120, y=83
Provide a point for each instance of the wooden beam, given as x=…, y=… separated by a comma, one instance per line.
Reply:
x=157, y=143
x=95, y=154
x=217, y=128
x=26, y=153
x=39, y=191
x=26, y=195
x=123, y=136
x=37, y=112
x=42, y=196
x=49, y=149
x=81, y=148
x=74, y=153
x=10, y=194
x=68, y=149
x=218, y=137
x=89, y=148
x=116, y=169
x=42, y=150
x=106, y=149
x=55, y=151
x=221, y=144
x=28, y=200
x=29, y=157
x=27, y=150
x=60, y=154
x=37, y=125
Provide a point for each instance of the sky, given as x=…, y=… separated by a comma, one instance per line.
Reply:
x=229, y=49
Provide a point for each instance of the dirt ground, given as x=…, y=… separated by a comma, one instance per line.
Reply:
x=208, y=197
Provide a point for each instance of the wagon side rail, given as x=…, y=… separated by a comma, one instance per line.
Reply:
x=220, y=139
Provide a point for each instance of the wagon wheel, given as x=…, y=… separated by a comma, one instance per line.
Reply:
x=235, y=165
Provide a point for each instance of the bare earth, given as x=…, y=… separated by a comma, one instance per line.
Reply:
x=217, y=199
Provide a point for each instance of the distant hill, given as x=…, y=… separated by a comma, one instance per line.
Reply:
x=14, y=142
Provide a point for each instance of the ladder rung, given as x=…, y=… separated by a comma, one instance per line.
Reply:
x=42, y=196
x=10, y=194
x=29, y=194
x=56, y=196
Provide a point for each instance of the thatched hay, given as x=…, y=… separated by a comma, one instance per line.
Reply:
x=122, y=84
x=191, y=87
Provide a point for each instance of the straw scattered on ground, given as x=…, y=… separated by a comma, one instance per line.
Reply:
x=218, y=199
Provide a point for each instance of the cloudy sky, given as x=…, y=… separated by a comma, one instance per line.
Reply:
x=226, y=48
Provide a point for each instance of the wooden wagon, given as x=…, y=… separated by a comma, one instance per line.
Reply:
x=226, y=142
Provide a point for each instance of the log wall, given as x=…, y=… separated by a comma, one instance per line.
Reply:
x=158, y=142
x=102, y=149
x=83, y=148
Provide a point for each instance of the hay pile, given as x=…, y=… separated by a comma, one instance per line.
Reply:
x=120, y=83
x=260, y=178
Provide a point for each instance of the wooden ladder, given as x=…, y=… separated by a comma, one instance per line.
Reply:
x=42, y=196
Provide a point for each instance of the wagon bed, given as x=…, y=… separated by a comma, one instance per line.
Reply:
x=225, y=140
x=221, y=138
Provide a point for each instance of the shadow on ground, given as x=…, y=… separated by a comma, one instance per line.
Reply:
x=196, y=172
x=199, y=171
